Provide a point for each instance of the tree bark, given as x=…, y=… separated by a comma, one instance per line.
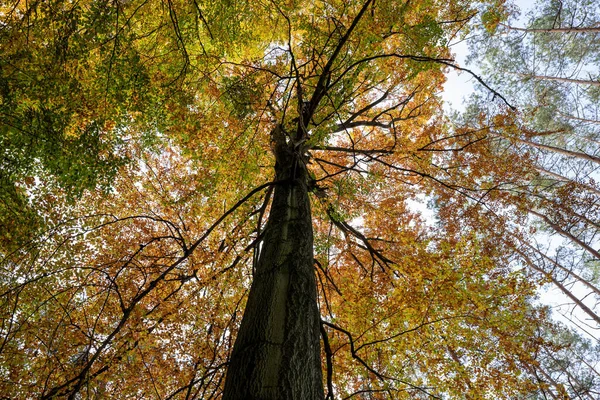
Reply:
x=592, y=121
x=569, y=29
x=277, y=351
x=560, y=286
x=567, y=234
x=559, y=79
x=565, y=179
x=563, y=268
x=558, y=150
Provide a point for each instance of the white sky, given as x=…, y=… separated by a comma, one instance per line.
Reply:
x=460, y=84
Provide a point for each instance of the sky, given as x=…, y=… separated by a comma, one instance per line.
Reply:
x=460, y=85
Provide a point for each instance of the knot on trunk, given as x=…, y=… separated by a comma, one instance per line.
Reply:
x=289, y=163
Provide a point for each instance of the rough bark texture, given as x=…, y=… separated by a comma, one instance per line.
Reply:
x=277, y=351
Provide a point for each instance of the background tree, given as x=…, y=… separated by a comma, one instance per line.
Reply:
x=547, y=67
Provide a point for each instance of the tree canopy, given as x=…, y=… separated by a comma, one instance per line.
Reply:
x=178, y=175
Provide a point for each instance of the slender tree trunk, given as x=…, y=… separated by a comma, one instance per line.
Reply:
x=559, y=79
x=558, y=150
x=567, y=234
x=589, y=29
x=465, y=379
x=565, y=179
x=593, y=121
x=561, y=287
x=559, y=387
x=572, y=379
x=562, y=268
x=277, y=351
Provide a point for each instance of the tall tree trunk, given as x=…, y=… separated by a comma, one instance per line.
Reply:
x=568, y=271
x=567, y=234
x=558, y=150
x=277, y=351
x=592, y=121
x=569, y=29
x=560, y=286
x=565, y=179
x=560, y=79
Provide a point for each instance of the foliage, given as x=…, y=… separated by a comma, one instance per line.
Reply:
x=143, y=132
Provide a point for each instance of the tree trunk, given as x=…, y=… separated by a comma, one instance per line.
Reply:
x=560, y=286
x=565, y=179
x=569, y=29
x=559, y=79
x=277, y=351
x=568, y=271
x=558, y=150
x=592, y=121
x=567, y=234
